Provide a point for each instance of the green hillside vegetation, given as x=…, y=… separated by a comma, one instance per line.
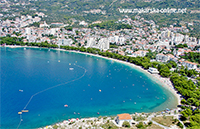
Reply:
x=111, y=25
x=65, y=11
x=192, y=56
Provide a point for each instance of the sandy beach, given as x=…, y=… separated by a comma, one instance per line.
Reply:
x=87, y=122
x=167, y=84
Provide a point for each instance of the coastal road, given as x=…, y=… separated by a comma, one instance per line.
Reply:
x=165, y=127
x=150, y=119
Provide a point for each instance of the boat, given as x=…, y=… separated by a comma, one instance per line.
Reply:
x=25, y=111
x=71, y=68
x=20, y=90
x=19, y=113
x=99, y=90
x=69, y=63
x=58, y=60
x=98, y=113
x=66, y=105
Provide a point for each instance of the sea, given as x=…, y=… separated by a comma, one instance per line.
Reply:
x=41, y=81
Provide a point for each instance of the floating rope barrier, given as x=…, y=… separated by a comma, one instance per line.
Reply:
x=49, y=89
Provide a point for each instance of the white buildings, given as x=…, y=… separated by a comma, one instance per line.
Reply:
x=181, y=51
x=65, y=42
x=44, y=25
x=190, y=65
x=90, y=42
x=161, y=57
x=83, y=23
x=123, y=117
x=140, y=53
x=103, y=44
x=54, y=30
x=111, y=39
x=28, y=31
x=153, y=70
x=178, y=38
x=120, y=40
x=164, y=58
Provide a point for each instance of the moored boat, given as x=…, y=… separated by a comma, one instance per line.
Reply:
x=25, y=110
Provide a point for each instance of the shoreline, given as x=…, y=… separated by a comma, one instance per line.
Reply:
x=165, y=81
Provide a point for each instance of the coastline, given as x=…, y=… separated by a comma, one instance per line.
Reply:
x=164, y=82
x=167, y=84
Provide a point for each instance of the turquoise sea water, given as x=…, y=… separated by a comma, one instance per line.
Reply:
x=107, y=87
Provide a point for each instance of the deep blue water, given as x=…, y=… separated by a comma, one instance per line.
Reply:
x=123, y=88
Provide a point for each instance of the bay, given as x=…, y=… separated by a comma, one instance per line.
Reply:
x=93, y=85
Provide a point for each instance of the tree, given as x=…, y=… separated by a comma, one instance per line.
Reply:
x=151, y=55
x=68, y=28
x=169, y=65
x=183, y=101
x=126, y=124
x=150, y=123
x=164, y=70
x=186, y=113
x=180, y=125
x=55, y=126
x=140, y=125
x=154, y=64
x=35, y=24
x=195, y=120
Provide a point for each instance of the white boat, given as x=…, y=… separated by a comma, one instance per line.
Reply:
x=21, y=90
x=71, y=68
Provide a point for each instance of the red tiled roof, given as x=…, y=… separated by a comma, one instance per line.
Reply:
x=124, y=116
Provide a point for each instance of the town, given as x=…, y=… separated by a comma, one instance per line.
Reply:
x=144, y=37
x=170, y=46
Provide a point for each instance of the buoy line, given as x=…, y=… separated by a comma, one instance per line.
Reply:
x=49, y=89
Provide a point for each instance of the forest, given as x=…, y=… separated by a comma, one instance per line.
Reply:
x=192, y=56
x=111, y=25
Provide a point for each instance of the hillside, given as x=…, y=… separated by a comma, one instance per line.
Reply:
x=88, y=10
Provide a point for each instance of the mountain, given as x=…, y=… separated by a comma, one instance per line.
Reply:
x=68, y=11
